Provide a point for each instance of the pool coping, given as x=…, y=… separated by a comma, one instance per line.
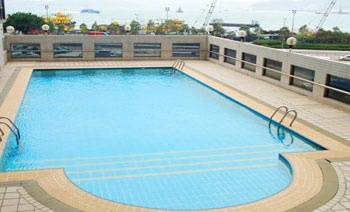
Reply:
x=309, y=168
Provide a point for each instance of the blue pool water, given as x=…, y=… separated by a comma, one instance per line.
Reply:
x=149, y=137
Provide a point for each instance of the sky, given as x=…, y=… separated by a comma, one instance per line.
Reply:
x=131, y=5
x=195, y=11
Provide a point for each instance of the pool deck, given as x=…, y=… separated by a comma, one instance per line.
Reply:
x=321, y=179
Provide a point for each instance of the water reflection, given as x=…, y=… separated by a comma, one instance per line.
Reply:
x=281, y=135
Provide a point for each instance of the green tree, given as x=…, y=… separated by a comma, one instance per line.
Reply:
x=51, y=25
x=161, y=29
x=60, y=29
x=185, y=29
x=135, y=27
x=95, y=26
x=247, y=29
x=83, y=28
x=304, y=30
x=24, y=21
x=284, y=33
x=218, y=30
x=113, y=28
x=151, y=27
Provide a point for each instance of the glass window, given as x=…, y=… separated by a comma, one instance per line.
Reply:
x=230, y=56
x=251, y=59
x=275, y=65
x=186, y=49
x=341, y=84
x=108, y=50
x=67, y=50
x=214, y=51
x=305, y=74
x=25, y=50
x=147, y=49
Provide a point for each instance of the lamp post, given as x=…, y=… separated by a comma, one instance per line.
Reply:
x=127, y=28
x=210, y=29
x=293, y=12
x=167, y=9
x=46, y=28
x=47, y=11
x=284, y=25
x=10, y=29
x=242, y=34
x=291, y=41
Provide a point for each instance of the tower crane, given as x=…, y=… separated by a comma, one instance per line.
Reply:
x=325, y=15
x=210, y=12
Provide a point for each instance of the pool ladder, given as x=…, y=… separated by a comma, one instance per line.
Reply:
x=287, y=111
x=179, y=64
x=11, y=126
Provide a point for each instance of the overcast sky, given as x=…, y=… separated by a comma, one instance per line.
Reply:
x=194, y=11
x=132, y=5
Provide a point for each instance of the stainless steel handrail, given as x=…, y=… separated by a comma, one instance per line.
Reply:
x=284, y=116
x=16, y=133
x=274, y=113
x=289, y=111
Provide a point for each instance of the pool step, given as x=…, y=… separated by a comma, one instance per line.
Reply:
x=161, y=163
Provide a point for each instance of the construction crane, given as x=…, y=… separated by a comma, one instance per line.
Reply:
x=325, y=15
x=210, y=12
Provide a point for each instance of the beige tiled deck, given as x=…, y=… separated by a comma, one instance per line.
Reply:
x=323, y=123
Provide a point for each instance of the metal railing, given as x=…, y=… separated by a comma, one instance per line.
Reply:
x=283, y=73
x=287, y=111
x=11, y=126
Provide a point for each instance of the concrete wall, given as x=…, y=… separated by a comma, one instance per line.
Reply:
x=322, y=67
x=3, y=59
x=46, y=44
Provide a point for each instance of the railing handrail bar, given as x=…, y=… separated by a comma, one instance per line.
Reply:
x=12, y=123
x=277, y=109
x=2, y=133
x=286, y=74
x=289, y=111
x=16, y=135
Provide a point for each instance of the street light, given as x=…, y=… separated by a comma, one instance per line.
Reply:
x=46, y=28
x=242, y=34
x=291, y=41
x=10, y=29
x=293, y=12
x=210, y=29
x=167, y=9
x=127, y=28
x=47, y=11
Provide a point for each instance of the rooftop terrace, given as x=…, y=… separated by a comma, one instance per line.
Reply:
x=320, y=178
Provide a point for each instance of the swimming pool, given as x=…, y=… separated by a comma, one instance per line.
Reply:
x=149, y=137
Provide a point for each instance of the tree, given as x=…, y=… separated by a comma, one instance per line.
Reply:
x=51, y=25
x=304, y=30
x=218, y=30
x=284, y=33
x=245, y=28
x=135, y=27
x=60, y=29
x=185, y=29
x=151, y=27
x=113, y=28
x=83, y=28
x=24, y=21
x=95, y=26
